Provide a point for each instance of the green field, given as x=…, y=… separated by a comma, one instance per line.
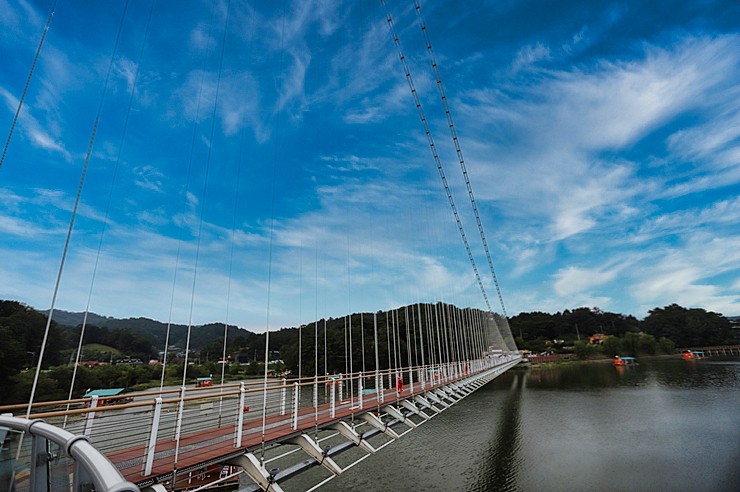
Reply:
x=98, y=350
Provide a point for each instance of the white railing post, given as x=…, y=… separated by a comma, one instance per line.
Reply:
x=341, y=387
x=283, y=398
x=359, y=390
x=240, y=416
x=333, y=399
x=152, y=444
x=91, y=415
x=180, y=411
x=295, y=406
x=381, y=388
x=316, y=392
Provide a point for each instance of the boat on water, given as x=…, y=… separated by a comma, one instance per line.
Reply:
x=692, y=354
x=624, y=361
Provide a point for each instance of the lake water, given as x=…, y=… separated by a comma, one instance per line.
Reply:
x=664, y=425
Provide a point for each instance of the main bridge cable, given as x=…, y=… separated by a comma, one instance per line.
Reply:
x=433, y=148
x=456, y=141
x=28, y=81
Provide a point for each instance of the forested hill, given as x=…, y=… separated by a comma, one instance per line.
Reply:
x=155, y=332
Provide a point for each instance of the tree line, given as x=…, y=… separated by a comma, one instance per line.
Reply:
x=22, y=330
x=684, y=327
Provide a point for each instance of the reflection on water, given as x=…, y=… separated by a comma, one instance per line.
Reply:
x=663, y=425
x=498, y=468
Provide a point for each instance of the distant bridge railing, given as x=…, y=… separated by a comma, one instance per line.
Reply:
x=714, y=349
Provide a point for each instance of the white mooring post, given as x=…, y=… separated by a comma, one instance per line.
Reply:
x=283, y=397
x=153, y=436
x=240, y=416
x=294, y=426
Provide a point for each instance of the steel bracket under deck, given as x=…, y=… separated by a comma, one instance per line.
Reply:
x=256, y=471
x=398, y=415
x=313, y=450
x=433, y=397
x=426, y=404
x=414, y=409
x=374, y=421
x=351, y=435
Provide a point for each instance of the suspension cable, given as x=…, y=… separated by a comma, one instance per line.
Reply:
x=28, y=81
x=200, y=231
x=107, y=209
x=74, y=213
x=433, y=149
x=271, y=246
x=456, y=141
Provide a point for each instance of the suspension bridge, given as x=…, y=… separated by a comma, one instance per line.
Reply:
x=415, y=361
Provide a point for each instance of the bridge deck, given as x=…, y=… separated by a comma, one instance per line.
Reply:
x=217, y=444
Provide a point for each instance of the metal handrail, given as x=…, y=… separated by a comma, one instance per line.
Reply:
x=104, y=475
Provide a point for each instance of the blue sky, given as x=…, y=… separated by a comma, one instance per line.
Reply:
x=283, y=154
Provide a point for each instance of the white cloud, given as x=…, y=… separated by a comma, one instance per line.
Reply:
x=688, y=276
x=575, y=280
x=530, y=55
x=149, y=178
x=31, y=128
x=691, y=220
x=544, y=155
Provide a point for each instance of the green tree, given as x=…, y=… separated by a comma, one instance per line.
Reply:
x=583, y=350
x=688, y=327
x=667, y=345
x=612, y=346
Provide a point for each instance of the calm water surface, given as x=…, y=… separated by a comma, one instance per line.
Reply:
x=664, y=425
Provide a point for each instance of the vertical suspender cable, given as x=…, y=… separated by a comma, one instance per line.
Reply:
x=74, y=214
x=107, y=209
x=388, y=341
x=421, y=335
x=200, y=232
x=269, y=262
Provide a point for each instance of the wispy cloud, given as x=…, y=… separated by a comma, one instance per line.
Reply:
x=530, y=55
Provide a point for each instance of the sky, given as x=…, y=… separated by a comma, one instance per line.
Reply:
x=264, y=164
